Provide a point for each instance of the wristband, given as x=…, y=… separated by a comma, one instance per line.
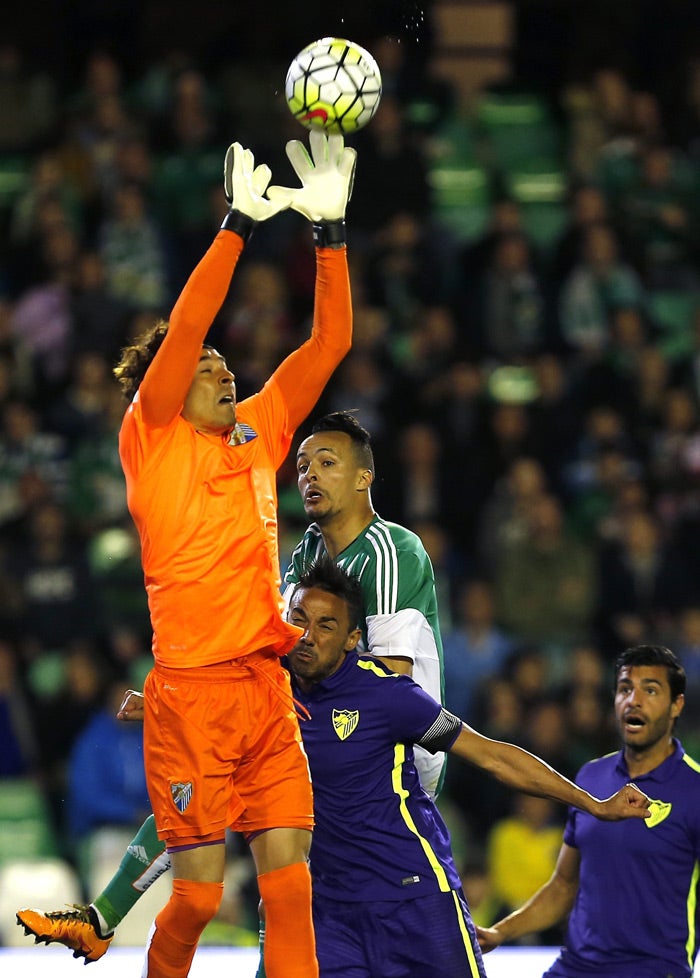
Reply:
x=329, y=234
x=240, y=223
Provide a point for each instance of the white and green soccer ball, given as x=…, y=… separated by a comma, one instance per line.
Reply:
x=334, y=85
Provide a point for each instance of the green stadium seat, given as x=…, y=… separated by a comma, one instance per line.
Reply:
x=673, y=314
x=26, y=831
x=461, y=197
x=14, y=177
x=541, y=192
x=517, y=127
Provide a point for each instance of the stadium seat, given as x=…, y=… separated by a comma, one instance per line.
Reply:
x=26, y=831
x=517, y=127
x=540, y=190
x=48, y=884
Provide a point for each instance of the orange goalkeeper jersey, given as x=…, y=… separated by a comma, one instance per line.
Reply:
x=205, y=509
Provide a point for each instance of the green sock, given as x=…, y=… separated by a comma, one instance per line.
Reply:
x=260, y=973
x=143, y=862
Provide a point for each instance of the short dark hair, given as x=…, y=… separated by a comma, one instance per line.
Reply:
x=346, y=422
x=654, y=655
x=326, y=575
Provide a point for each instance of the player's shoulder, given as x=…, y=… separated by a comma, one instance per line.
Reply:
x=598, y=766
x=371, y=670
x=692, y=766
x=397, y=536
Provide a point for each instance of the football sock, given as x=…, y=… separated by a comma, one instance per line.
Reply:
x=178, y=927
x=290, y=947
x=143, y=862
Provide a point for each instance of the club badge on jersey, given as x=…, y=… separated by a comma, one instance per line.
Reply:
x=182, y=794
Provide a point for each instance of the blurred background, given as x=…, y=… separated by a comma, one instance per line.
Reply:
x=524, y=240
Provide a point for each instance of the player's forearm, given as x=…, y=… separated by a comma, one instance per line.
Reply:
x=169, y=377
x=547, y=907
x=521, y=770
x=303, y=375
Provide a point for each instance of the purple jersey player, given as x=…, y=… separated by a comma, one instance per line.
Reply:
x=387, y=895
x=630, y=889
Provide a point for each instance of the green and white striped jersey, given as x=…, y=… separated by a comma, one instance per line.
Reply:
x=400, y=605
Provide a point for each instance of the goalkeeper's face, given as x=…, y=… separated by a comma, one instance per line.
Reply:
x=210, y=405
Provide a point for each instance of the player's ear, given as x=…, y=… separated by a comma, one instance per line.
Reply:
x=677, y=706
x=365, y=479
x=353, y=638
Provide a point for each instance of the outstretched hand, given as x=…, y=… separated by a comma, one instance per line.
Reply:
x=628, y=802
x=245, y=185
x=488, y=938
x=326, y=176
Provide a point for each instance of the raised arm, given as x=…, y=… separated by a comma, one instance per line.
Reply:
x=545, y=908
x=164, y=388
x=326, y=177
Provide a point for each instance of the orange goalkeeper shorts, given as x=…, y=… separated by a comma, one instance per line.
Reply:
x=222, y=749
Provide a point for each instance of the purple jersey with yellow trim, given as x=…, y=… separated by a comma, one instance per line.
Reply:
x=378, y=835
x=636, y=912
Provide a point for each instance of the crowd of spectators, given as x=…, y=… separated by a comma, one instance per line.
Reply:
x=534, y=401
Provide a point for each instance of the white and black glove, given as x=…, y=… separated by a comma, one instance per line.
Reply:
x=245, y=185
x=327, y=177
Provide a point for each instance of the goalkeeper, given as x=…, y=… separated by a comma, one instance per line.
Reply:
x=221, y=741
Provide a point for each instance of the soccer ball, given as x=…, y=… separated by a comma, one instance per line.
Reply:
x=334, y=85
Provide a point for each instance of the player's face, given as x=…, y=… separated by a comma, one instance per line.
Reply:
x=210, y=404
x=644, y=709
x=328, y=635
x=330, y=481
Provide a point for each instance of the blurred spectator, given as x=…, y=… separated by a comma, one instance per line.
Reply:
x=77, y=413
x=587, y=207
x=643, y=583
x=506, y=305
x=522, y=851
x=257, y=328
x=188, y=145
x=657, y=219
x=18, y=747
x=405, y=270
x=480, y=798
x=96, y=496
x=547, y=585
x=65, y=691
x=49, y=201
x=27, y=454
x=42, y=315
x=99, y=318
x=58, y=603
x=395, y=174
x=106, y=778
x=473, y=649
x=505, y=520
x=132, y=252
x=598, y=284
x=29, y=110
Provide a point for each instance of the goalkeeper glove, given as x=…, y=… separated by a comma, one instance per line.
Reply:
x=327, y=179
x=244, y=186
